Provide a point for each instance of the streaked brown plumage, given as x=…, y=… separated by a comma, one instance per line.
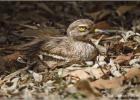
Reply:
x=75, y=46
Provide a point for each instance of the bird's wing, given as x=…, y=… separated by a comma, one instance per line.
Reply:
x=57, y=45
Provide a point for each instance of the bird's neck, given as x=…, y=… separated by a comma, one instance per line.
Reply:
x=79, y=38
x=83, y=39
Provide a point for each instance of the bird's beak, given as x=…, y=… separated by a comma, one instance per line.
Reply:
x=93, y=30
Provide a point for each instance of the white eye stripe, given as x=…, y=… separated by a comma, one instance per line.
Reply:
x=83, y=25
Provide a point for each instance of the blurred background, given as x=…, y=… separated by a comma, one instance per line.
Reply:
x=36, y=18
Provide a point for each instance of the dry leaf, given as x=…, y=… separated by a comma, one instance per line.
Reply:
x=123, y=9
x=80, y=74
x=117, y=81
x=37, y=77
x=85, y=88
x=11, y=88
x=127, y=34
x=99, y=62
x=123, y=58
x=135, y=62
x=27, y=94
x=114, y=68
x=96, y=72
x=107, y=84
x=102, y=25
x=132, y=73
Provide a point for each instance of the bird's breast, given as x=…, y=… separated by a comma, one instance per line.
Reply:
x=71, y=49
x=84, y=51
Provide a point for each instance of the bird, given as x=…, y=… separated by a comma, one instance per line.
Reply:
x=76, y=46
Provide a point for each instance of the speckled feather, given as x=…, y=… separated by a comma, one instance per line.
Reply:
x=72, y=49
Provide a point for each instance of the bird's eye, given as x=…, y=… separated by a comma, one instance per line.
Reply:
x=82, y=28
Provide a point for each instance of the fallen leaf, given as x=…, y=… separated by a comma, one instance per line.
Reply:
x=12, y=57
x=117, y=81
x=132, y=73
x=123, y=9
x=96, y=72
x=123, y=58
x=85, y=88
x=12, y=88
x=81, y=74
x=37, y=77
x=102, y=25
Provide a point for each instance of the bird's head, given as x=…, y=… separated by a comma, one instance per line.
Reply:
x=80, y=28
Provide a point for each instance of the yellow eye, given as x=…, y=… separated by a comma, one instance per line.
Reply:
x=82, y=28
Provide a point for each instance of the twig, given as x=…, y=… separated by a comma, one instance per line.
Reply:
x=29, y=26
x=101, y=68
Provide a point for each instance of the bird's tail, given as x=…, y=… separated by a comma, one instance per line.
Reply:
x=32, y=47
